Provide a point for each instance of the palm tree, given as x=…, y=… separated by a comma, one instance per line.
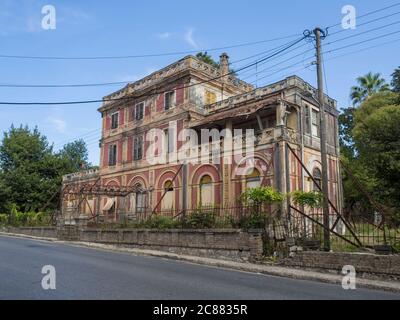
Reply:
x=368, y=85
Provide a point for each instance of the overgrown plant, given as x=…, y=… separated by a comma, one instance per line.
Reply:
x=257, y=199
x=262, y=195
x=311, y=199
x=200, y=219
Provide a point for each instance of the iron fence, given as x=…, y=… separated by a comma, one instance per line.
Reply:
x=361, y=231
x=356, y=232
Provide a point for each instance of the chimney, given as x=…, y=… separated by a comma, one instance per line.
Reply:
x=224, y=64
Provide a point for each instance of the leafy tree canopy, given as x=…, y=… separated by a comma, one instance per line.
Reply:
x=205, y=57
x=367, y=85
x=30, y=172
x=76, y=155
x=396, y=80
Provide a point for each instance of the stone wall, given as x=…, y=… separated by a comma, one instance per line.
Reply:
x=363, y=262
x=46, y=232
x=227, y=244
x=222, y=244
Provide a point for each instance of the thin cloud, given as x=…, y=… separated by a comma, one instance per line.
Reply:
x=58, y=124
x=190, y=39
x=164, y=35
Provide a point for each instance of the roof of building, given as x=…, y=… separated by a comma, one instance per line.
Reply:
x=189, y=62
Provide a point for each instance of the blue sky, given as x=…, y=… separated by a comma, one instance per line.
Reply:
x=112, y=28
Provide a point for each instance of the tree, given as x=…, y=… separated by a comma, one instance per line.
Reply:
x=377, y=139
x=31, y=173
x=76, y=155
x=367, y=85
x=346, y=126
x=396, y=80
x=362, y=155
x=376, y=136
x=205, y=57
x=28, y=171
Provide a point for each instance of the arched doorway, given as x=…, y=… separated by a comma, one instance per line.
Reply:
x=206, y=191
x=253, y=180
x=168, y=200
x=317, y=175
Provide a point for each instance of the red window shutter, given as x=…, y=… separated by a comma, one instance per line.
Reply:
x=179, y=95
x=160, y=103
x=105, y=155
x=146, y=145
x=147, y=110
x=122, y=117
x=131, y=114
x=180, y=129
x=119, y=152
x=130, y=151
x=108, y=123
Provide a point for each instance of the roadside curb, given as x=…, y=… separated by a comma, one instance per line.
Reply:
x=232, y=265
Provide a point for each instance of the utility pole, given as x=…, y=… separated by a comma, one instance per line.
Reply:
x=323, y=133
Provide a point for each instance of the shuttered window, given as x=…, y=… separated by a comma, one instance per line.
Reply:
x=138, y=148
x=112, y=155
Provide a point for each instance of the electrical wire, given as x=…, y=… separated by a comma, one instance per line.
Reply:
x=259, y=63
x=155, y=93
x=145, y=55
x=369, y=13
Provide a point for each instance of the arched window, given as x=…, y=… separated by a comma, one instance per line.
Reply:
x=318, y=179
x=206, y=191
x=137, y=204
x=168, y=200
x=253, y=180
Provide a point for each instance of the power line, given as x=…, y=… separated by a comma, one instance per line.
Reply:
x=364, y=32
x=369, y=13
x=87, y=135
x=335, y=57
x=91, y=142
x=330, y=43
x=7, y=85
x=145, y=55
x=361, y=42
x=155, y=93
x=367, y=22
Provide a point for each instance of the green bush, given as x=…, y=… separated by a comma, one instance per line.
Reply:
x=256, y=220
x=312, y=199
x=159, y=222
x=3, y=219
x=200, y=219
x=29, y=219
x=262, y=195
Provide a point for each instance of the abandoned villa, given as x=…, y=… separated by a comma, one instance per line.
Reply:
x=191, y=94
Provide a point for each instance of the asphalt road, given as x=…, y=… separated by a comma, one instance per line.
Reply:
x=83, y=273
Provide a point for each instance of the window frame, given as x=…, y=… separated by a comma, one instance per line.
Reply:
x=317, y=124
x=113, y=127
x=172, y=102
x=202, y=185
x=138, y=146
x=317, y=176
x=307, y=119
x=141, y=113
x=255, y=176
x=112, y=160
x=208, y=100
